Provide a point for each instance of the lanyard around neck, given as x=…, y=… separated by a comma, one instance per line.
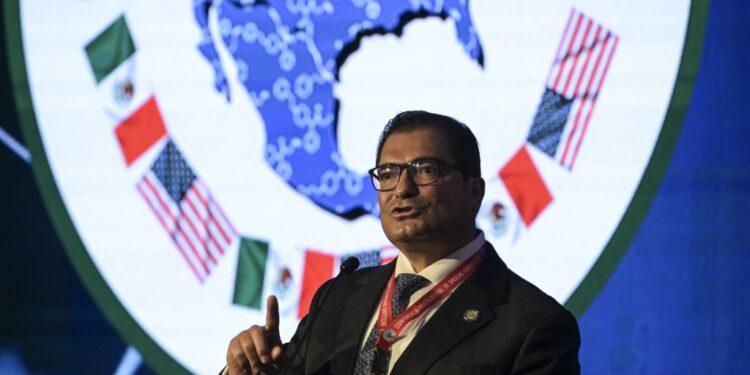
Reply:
x=389, y=329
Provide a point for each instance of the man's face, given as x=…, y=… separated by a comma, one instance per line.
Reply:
x=442, y=211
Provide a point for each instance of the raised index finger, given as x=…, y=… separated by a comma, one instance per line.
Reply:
x=272, y=313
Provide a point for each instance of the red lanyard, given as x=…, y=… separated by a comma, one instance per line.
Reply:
x=389, y=329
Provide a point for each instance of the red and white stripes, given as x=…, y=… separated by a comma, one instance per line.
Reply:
x=581, y=63
x=197, y=225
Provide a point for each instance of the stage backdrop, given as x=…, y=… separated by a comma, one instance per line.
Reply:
x=198, y=156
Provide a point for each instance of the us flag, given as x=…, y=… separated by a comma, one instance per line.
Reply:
x=187, y=211
x=573, y=84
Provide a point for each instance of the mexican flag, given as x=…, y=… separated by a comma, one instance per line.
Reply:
x=128, y=97
x=292, y=273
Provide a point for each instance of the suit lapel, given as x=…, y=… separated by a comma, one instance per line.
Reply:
x=356, y=315
x=448, y=327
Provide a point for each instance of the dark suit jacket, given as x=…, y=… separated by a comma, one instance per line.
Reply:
x=520, y=329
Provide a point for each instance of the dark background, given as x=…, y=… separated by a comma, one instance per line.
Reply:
x=678, y=303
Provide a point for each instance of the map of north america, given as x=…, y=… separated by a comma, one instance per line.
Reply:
x=288, y=56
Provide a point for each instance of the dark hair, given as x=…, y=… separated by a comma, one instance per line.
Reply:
x=462, y=141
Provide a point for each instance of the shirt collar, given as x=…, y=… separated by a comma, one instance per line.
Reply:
x=438, y=270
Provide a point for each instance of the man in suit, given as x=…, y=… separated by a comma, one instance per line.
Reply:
x=447, y=304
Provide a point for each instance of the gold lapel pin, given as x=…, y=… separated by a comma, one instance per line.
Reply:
x=471, y=315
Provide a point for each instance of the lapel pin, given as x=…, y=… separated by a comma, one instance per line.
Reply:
x=471, y=315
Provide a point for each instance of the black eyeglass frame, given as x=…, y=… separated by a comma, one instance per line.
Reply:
x=411, y=167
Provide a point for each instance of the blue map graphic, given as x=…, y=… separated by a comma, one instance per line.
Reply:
x=288, y=55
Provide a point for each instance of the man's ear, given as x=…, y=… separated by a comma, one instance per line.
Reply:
x=476, y=189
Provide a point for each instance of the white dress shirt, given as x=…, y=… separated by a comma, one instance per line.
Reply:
x=434, y=273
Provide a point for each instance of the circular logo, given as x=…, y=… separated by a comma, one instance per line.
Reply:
x=471, y=315
x=197, y=157
x=389, y=335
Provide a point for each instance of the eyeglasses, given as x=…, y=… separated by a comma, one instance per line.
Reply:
x=422, y=171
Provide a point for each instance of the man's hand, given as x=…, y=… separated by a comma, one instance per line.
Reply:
x=257, y=350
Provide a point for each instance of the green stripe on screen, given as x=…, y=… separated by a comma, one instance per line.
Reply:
x=251, y=269
x=110, y=49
